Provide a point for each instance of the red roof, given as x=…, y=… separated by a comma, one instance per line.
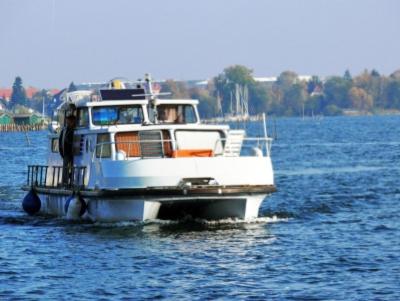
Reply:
x=30, y=91
x=5, y=93
x=54, y=91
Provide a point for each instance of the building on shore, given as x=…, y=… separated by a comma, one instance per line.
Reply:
x=6, y=118
x=28, y=119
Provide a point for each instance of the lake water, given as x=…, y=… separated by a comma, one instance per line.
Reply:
x=331, y=232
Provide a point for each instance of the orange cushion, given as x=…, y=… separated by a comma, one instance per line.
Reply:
x=192, y=153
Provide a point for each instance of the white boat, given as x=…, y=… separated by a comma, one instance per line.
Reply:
x=131, y=162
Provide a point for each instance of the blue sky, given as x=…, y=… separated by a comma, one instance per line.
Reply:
x=50, y=43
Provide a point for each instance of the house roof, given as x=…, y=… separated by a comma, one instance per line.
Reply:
x=5, y=93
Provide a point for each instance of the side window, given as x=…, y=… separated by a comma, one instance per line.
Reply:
x=190, y=116
x=83, y=117
x=54, y=145
x=103, y=146
x=176, y=114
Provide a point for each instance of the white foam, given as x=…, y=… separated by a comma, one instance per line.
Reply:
x=227, y=221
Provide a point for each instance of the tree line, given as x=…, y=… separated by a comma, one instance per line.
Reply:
x=288, y=95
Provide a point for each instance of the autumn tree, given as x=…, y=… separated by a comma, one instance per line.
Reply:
x=177, y=89
x=360, y=99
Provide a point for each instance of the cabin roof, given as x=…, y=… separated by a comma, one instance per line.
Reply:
x=116, y=103
x=175, y=101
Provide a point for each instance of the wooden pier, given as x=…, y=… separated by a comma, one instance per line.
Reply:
x=21, y=127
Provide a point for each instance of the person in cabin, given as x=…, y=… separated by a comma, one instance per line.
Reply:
x=169, y=114
x=66, y=147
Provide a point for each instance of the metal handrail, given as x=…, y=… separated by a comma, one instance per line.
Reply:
x=102, y=144
x=264, y=143
x=38, y=176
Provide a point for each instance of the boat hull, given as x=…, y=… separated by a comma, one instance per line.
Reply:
x=146, y=207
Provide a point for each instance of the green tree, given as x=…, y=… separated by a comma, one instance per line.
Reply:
x=18, y=96
x=347, y=75
x=314, y=104
x=259, y=99
x=72, y=87
x=286, y=79
x=294, y=99
x=314, y=83
x=43, y=97
x=207, y=103
x=375, y=73
x=289, y=94
x=336, y=91
x=239, y=74
x=393, y=94
x=226, y=82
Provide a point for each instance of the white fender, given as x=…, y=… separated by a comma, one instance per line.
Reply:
x=75, y=207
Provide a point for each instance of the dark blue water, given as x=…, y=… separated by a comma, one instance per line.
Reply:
x=331, y=232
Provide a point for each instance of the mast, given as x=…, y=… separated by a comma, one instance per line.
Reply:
x=42, y=106
x=237, y=98
x=219, y=105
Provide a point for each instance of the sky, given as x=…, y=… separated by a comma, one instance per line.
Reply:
x=50, y=43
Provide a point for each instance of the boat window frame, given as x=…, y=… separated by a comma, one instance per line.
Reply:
x=180, y=112
x=87, y=117
x=100, y=152
x=139, y=112
x=55, y=145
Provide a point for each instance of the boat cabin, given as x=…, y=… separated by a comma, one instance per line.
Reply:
x=128, y=124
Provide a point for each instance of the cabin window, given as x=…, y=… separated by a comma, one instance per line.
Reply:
x=189, y=114
x=117, y=115
x=83, y=117
x=173, y=113
x=54, y=145
x=103, y=146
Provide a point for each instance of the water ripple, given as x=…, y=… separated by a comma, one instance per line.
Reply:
x=330, y=232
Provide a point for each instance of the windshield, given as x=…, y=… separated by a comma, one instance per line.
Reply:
x=117, y=115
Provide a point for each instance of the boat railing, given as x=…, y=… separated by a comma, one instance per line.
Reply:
x=154, y=148
x=45, y=176
x=166, y=148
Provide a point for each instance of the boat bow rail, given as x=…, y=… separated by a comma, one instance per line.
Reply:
x=44, y=176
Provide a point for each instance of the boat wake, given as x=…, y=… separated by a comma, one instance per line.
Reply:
x=192, y=222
